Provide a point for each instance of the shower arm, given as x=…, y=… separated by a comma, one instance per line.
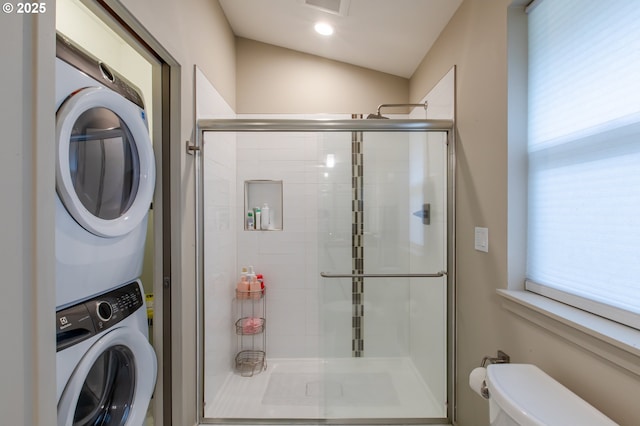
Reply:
x=400, y=105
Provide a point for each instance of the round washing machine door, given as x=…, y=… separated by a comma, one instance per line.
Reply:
x=112, y=384
x=105, y=171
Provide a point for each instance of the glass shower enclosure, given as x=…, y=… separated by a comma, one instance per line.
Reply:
x=357, y=259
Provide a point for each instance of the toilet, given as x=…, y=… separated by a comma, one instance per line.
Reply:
x=524, y=395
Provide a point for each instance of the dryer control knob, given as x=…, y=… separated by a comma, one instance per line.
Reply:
x=104, y=311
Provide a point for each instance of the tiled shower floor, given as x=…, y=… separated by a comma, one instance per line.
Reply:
x=348, y=388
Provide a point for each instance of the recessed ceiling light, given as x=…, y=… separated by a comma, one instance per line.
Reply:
x=324, y=28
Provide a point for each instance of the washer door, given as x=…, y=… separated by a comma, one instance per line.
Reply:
x=105, y=172
x=112, y=384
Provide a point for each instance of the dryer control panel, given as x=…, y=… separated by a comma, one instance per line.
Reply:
x=86, y=319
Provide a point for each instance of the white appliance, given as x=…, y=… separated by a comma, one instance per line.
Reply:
x=524, y=395
x=105, y=176
x=106, y=368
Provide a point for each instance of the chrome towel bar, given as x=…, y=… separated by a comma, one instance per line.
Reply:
x=436, y=275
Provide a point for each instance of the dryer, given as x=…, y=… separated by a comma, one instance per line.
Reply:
x=106, y=368
x=105, y=176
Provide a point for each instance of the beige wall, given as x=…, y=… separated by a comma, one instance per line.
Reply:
x=476, y=42
x=275, y=80
x=194, y=32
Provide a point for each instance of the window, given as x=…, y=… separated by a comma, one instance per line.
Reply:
x=584, y=155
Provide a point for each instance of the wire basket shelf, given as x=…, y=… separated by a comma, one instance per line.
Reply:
x=248, y=326
x=250, y=362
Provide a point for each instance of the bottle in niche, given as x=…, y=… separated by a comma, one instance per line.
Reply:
x=250, y=222
x=265, y=219
x=258, y=218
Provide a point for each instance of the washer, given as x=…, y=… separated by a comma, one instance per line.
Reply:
x=105, y=176
x=106, y=368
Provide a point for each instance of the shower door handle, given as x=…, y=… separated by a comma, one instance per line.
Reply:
x=436, y=275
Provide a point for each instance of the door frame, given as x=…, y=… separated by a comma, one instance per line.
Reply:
x=447, y=126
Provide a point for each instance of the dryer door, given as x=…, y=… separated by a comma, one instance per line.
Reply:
x=112, y=384
x=105, y=172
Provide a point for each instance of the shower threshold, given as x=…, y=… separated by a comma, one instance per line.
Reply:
x=345, y=388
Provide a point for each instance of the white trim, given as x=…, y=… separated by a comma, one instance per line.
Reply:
x=612, y=341
x=596, y=307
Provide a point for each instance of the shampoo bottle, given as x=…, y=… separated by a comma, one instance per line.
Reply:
x=258, y=218
x=243, y=286
x=250, y=222
x=254, y=285
x=260, y=278
x=265, y=220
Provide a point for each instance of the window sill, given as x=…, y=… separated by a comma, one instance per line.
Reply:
x=612, y=341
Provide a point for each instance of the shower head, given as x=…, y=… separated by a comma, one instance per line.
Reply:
x=378, y=115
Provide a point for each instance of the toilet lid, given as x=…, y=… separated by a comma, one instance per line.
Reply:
x=533, y=398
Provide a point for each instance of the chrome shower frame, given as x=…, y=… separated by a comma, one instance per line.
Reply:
x=328, y=125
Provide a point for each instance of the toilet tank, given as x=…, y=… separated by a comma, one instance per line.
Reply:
x=524, y=395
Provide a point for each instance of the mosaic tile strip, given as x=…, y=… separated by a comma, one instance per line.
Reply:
x=357, y=244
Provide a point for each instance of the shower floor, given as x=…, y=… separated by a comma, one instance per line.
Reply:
x=350, y=388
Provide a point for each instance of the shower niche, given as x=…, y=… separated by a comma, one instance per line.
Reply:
x=263, y=205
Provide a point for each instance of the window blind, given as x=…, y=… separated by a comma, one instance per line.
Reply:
x=584, y=155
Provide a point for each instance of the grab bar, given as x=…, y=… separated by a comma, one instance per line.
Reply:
x=436, y=275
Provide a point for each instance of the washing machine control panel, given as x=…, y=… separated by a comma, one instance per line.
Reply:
x=86, y=319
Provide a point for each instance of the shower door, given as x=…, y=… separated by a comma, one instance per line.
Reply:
x=357, y=273
x=382, y=257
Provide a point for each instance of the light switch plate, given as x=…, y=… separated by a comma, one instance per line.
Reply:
x=482, y=239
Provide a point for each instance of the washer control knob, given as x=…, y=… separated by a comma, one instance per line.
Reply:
x=104, y=311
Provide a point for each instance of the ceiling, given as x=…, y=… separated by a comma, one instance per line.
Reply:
x=390, y=36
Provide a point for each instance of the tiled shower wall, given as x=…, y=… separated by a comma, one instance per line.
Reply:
x=219, y=237
x=309, y=316
x=220, y=245
x=288, y=259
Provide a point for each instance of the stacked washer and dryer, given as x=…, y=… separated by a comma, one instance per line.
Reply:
x=105, y=177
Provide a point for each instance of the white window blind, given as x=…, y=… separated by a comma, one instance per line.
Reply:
x=584, y=155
